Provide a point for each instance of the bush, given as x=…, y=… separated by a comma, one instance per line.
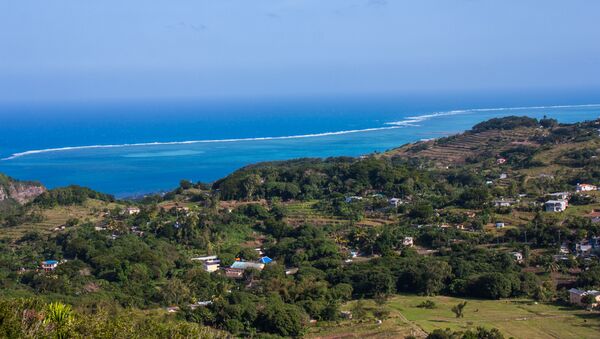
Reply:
x=428, y=304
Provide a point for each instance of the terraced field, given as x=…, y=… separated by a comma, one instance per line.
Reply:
x=455, y=149
x=306, y=212
x=57, y=217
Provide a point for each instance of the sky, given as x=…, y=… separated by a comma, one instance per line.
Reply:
x=73, y=50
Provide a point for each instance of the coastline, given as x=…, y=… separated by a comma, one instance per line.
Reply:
x=124, y=170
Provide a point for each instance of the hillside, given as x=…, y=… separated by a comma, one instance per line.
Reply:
x=486, y=141
x=396, y=240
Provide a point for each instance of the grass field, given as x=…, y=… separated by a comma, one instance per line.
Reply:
x=58, y=216
x=514, y=318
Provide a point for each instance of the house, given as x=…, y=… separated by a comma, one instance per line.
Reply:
x=408, y=241
x=246, y=265
x=489, y=182
x=583, y=248
x=594, y=216
x=560, y=195
x=291, y=271
x=172, y=309
x=518, y=256
x=207, y=258
x=500, y=224
x=576, y=297
x=200, y=304
x=265, y=260
x=211, y=265
x=353, y=198
x=183, y=209
x=503, y=203
x=132, y=210
x=503, y=176
x=234, y=273
x=585, y=188
x=556, y=205
x=395, y=202
x=346, y=315
x=49, y=265
x=560, y=257
x=500, y=161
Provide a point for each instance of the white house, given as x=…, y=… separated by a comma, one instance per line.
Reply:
x=353, y=198
x=49, y=265
x=556, y=205
x=395, y=202
x=518, y=256
x=132, y=210
x=584, y=248
x=585, y=188
x=408, y=241
x=503, y=203
x=576, y=296
x=500, y=224
x=503, y=176
x=211, y=265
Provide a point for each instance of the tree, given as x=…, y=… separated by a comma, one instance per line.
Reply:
x=492, y=285
x=284, y=319
x=590, y=278
x=185, y=184
x=422, y=210
x=589, y=300
x=458, y=309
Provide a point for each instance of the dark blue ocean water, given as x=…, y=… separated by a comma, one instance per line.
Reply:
x=308, y=127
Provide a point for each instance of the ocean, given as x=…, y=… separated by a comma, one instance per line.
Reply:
x=133, y=148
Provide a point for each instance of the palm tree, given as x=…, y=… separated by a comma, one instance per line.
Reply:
x=59, y=317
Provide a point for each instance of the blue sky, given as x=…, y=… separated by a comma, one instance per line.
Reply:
x=137, y=49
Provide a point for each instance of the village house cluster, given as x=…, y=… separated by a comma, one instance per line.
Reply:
x=236, y=270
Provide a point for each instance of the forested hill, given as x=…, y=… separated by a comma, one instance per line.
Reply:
x=520, y=141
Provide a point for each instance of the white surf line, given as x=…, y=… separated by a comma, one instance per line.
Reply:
x=408, y=122
x=411, y=120
x=159, y=143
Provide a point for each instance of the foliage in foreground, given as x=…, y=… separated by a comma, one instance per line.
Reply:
x=32, y=318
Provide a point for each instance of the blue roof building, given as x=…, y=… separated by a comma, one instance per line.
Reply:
x=266, y=260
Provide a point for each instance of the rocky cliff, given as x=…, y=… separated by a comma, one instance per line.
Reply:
x=19, y=191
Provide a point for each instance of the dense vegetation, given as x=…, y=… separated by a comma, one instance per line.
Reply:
x=310, y=215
